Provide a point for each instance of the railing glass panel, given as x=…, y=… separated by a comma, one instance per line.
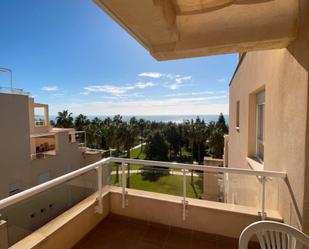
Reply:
x=33, y=208
x=28, y=215
x=238, y=189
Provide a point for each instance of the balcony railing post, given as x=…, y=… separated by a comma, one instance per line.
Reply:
x=99, y=207
x=85, y=138
x=124, y=184
x=262, y=213
x=3, y=234
x=184, y=194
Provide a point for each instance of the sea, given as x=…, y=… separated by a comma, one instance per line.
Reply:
x=160, y=118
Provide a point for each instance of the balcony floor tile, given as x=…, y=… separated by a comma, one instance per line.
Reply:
x=117, y=232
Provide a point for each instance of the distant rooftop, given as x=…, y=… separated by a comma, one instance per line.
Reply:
x=10, y=90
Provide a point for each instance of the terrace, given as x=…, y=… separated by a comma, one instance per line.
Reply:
x=84, y=209
x=9, y=90
x=78, y=137
x=44, y=145
x=143, y=234
x=99, y=207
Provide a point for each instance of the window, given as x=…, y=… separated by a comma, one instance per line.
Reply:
x=260, y=123
x=237, y=114
x=39, y=116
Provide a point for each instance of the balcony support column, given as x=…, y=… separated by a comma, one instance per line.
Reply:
x=3, y=234
x=124, y=184
x=184, y=194
x=262, y=213
x=99, y=207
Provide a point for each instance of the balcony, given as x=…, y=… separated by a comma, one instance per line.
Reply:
x=43, y=155
x=78, y=137
x=91, y=208
x=43, y=145
x=141, y=234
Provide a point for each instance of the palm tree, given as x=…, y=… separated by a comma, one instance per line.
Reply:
x=173, y=137
x=128, y=135
x=196, y=133
x=117, y=123
x=80, y=122
x=157, y=147
x=200, y=129
x=216, y=132
x=141, y=126
x=108, y=133
x=191, y=134
x=93, y=135
x=64, y=119
x=221, y=123
x=109, y=130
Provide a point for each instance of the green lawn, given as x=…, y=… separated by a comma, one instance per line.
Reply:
x=185, y=153
x=169, y=184
x=133, y=166
x=135, y=153
x=166, y=184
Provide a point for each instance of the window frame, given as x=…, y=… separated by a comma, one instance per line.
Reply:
x=260, y=141
x=237, y=115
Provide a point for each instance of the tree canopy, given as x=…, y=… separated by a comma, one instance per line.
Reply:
x=165, y=141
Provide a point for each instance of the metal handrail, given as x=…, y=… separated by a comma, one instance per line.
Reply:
x=11, y=200
x=41, y=155
x=266, y=173
x=104, y=162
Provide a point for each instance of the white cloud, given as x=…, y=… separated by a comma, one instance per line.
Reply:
x=115, y=90
x=179, y=81
x=50, y=88
x=221, y=80
x=85, y=93
x=172, y=86
x=142, y=85
x=192, y=93
x=58, y=94
x=176, y=79
x=124, y=96
x=165, y=106
x=151, y=75
x=172, y=76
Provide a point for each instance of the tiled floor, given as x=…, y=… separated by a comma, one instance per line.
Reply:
x=117, y=232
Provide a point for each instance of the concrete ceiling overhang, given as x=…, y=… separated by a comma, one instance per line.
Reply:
x=173, y=29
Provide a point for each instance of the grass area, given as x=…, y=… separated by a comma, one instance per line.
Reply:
x=185, y=153
x=136, y=153
x=133, y=166
x=167, y=184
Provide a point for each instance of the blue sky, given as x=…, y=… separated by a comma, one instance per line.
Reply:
x=71, y=55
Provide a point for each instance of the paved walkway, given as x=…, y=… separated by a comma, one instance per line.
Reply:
x=137, y=146
x=138, y=171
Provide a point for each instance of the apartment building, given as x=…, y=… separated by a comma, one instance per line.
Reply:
x=269, y=123
x=31, y=153
x=267, y=144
